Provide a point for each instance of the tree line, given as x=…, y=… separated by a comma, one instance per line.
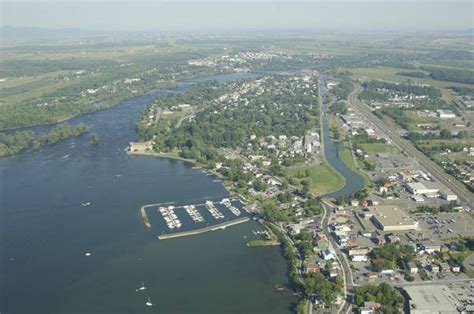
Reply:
x=22, y=140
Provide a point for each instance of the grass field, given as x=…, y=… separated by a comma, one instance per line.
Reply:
x=257, y=243
x=390, y=75
x=323, y=178
x=373, y=148
x=346, y=157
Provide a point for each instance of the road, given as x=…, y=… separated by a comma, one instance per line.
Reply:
x=428, y=165
x=433, y=283
x=342, y=259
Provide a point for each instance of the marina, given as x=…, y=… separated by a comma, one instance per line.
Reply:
x=176, y=220
x=231, y=207
x=170, y=217
x=195, y=215
x=213, y=210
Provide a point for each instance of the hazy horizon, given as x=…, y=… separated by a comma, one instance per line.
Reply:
x=242, y=15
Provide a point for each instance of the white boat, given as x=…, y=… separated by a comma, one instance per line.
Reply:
x=225, y=200
x=87, y=254
x=86, y=204
x=142, y=287
x=148, y=303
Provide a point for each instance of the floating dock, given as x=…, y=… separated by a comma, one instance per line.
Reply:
x=213, y=210
x=194, y=213
x=203, y=230
x=231, y=207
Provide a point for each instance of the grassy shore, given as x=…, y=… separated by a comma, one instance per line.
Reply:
x=271, y=241
x=323, y=179
x=257, y=243
x=346, y=157
x=161, y=155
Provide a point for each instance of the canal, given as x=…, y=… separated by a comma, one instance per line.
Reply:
x=353, y=181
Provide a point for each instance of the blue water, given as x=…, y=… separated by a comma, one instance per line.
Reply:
x=45, y=232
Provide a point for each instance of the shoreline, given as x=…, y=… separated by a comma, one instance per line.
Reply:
x=323, y=150
x=195, y=163
x=161, y=155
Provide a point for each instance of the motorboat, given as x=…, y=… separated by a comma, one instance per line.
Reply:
x=148, y=303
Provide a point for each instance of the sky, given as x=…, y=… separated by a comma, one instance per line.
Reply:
x=228, y=15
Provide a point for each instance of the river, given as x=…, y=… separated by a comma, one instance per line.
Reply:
x=45, y=231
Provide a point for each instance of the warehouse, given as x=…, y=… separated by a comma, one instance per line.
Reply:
x=418, y=188
x=389, y=218
x=432, y=299
x=449, y=196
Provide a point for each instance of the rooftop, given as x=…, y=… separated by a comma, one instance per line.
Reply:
x=432, y=299
x=390, y=216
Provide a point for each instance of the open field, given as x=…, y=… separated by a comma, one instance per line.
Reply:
x=372, y=148
x=346, y=157
x=323, y=179
x=390, y=75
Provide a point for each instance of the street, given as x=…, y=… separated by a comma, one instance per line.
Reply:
x=347, y=273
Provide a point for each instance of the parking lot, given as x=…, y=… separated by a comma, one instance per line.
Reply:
x=446, y=225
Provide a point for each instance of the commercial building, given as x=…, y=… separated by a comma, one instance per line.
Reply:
x=431, y=299
x=449, y=196
x=430, y=247
x=389, y=218
x=417, y=188
x=446, y=114
x=358, y=258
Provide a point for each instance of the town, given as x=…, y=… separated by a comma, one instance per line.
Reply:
x=349, y=159
x=404, y=233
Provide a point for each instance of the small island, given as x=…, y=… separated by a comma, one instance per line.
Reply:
x=94, y=140
x=23, y=140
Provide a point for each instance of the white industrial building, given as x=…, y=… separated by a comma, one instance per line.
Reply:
x=434, y=299
x=445, y=114
x=417, y=188
x=449, y=196
x=390, y=218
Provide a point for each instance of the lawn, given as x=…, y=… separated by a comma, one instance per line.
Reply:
x=373, y=148
x=346, y=158
x=323, y=178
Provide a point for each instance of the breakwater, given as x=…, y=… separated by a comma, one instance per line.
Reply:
x=203, y=230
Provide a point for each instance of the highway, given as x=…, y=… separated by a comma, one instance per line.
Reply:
x=428, y=165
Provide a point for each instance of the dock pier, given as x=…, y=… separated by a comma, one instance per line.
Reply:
x=203, y=230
